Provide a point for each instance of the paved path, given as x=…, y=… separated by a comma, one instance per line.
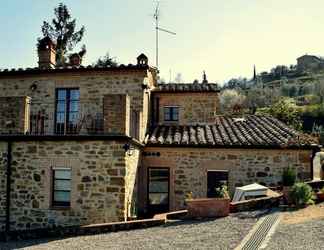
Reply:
x=224, y=233
x=304, y=235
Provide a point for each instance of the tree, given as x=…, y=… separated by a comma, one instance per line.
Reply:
x=106, y=61
x=319, y=90
x=230, y=98
x=62, y=31
x=236, y=83
x=287, y=112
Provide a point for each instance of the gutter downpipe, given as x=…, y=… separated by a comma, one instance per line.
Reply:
x=8, y=193
x=314, y=152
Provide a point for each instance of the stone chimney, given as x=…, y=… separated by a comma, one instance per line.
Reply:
x=46, y=53
x=142, y=60
x=75, y=59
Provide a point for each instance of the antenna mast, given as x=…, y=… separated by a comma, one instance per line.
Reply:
x=157, y=29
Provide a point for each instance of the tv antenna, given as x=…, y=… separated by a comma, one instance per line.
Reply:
x=157, y=29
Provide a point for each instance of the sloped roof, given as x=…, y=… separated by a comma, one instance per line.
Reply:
x=37, y=70
x=187, y=87
x=250, y=131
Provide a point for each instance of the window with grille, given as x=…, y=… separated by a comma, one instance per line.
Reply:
x=61, y=187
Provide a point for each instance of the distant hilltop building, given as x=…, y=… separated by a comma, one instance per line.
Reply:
x=310, y=63
x=305, y=64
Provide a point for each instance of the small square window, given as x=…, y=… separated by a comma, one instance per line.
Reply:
x=171, y=113
x=61, y=187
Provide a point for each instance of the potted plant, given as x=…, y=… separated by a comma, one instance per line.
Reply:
x=302, y=195
x=320, y=195
x=210, y=207
x=288, y=180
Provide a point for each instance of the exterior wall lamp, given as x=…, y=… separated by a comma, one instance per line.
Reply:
x=33, y=87
x=129, y=149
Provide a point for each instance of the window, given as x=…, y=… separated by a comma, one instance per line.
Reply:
x=171, y=113
x=215, y=179
x=67, y=111
x=61, y=187
x=135, y=122
x=158, y=189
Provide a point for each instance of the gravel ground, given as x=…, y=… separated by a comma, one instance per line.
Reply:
x=305, y=235
x=224, y=233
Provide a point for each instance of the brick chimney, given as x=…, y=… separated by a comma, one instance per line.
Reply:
x=46, y=53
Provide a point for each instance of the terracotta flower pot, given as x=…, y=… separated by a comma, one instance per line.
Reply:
x=286, y=190
x=209, y=207
x=320, y=197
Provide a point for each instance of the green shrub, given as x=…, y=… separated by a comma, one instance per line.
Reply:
x=302, y=194
x=288, y=177
x=222, y=192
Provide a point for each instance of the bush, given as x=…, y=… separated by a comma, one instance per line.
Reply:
x=222, y=192
x=302, y=194
x=288, y=177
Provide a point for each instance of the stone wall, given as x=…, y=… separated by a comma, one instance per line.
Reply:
x=3, y=184
x=98, y=182
x=193, y=107
x=189, y=166
x=116, y=114
x=14, y=114
x=93, y=86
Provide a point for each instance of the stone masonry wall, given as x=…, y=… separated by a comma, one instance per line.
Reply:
x=3, y=183
x=188, y=168
x=98, y=182
x=14, y=109
x=116, y=114
x=93, y=86
x=193, y=107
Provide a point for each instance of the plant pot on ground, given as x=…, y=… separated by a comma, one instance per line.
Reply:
x=320, y=195
x=288, y=180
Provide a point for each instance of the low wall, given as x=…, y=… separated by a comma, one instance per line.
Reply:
x=81, y=230
x=260, y=203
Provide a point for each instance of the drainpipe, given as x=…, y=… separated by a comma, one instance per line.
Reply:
x=9, y=156
x=314, y=152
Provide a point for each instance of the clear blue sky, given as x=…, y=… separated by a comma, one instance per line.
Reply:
x=225, y=38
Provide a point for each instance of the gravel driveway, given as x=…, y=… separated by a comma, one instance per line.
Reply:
x=224, y=233
x=305, y=235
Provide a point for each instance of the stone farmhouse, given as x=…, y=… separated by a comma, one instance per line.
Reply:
x=82, y=145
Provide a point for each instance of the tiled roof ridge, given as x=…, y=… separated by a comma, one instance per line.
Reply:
x=69, y=67
x=253, y=130
x=187, y=87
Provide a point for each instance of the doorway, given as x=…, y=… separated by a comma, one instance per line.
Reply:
x=158, y=190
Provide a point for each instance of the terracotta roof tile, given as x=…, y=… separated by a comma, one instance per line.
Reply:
x=250, y=131
x=68, y=68
x=187, y=87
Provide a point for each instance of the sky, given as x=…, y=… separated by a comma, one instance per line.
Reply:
x=224, y=38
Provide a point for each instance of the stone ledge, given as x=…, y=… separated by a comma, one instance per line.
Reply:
x=81, y=230
x=254, y=204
